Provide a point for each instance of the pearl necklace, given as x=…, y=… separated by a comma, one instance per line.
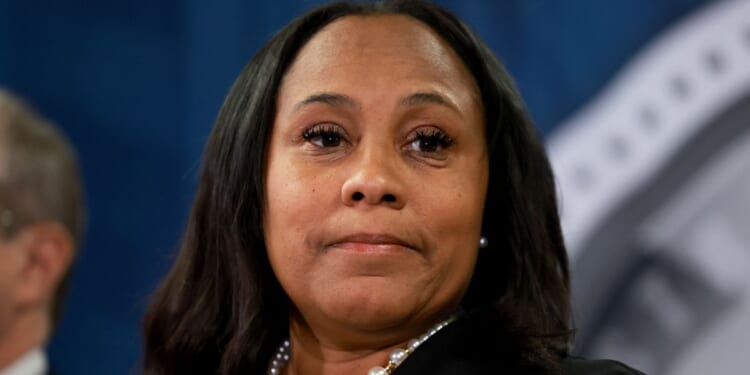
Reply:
x=283, y=353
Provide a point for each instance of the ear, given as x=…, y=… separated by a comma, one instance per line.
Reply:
x=48, y=253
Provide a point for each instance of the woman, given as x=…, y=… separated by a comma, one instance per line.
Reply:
x=358, y=165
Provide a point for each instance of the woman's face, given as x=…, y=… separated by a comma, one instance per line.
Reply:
x=376, y=175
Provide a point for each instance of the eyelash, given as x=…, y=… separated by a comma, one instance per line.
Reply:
x=329, y=135
x=323, y=132
x=436, y=137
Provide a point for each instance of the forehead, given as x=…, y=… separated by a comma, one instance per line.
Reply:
x=377, y=57
x=386, y=33
x=371, y=46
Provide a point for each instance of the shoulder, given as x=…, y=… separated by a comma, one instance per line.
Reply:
x=580, y=366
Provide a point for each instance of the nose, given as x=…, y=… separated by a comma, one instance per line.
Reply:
x=373, y=181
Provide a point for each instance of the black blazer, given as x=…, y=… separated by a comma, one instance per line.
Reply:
x=475, y=345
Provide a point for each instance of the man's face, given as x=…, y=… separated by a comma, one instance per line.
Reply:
x=9, y=259
x=11, y=266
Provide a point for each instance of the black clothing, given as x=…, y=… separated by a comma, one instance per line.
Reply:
x=474, y=344
x=578, y=366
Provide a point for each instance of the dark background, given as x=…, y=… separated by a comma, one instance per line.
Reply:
x=136, y=85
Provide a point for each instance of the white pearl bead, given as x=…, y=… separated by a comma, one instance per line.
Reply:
x=377, y=370
x=398, y=355
x=413, y=344
x=483, y=242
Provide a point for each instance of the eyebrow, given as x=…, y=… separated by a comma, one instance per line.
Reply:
x=420, y=98
x=335, y=100
x=416, y=99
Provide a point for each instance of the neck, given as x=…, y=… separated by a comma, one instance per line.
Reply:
x=315, y=358
x=313, y=353
x=22, y=334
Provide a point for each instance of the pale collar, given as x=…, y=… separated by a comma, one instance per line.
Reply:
x=31, y=363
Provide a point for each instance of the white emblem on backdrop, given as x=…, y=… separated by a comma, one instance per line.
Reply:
x=654, y=182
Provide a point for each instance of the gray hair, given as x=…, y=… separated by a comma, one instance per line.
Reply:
x=39, y=178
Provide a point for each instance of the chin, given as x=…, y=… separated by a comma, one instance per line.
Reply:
x=369, y=306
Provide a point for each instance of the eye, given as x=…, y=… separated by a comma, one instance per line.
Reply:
x=430, y=141
x=324, y=135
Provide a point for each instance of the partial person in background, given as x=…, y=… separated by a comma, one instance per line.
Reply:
x=41, y=208
x=374, y=200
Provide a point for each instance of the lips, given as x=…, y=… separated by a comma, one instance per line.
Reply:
x=372, y=242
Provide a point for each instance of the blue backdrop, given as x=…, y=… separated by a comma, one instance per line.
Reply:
x=136, y=85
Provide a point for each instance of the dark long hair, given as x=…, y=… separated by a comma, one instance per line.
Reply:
x=220, y=310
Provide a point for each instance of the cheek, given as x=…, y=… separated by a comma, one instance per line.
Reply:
x=294, y=197
x=296, y=202
x=6, y=286
x=457, y=221
x=457, y=206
